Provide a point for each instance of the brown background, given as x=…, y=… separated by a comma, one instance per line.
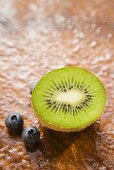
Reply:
x=37, y=36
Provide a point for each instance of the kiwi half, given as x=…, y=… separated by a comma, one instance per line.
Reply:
x=68, y=99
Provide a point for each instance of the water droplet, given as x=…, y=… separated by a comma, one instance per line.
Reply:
x=78, y=34
x=98, y=30
x=59, y=19
x=112, y=74
x=105, y=67
x=33, y=7
x=109, y=36
x=81, y=35
x=93, y=44
x=76, y=49
x=108, y=56
x=95, y=60
x=69, y=61
x=103, y=168
x=75, y=41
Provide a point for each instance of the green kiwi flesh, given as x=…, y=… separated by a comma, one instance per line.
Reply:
x=68, y=99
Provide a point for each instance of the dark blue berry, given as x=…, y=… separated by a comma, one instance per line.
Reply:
x=14, y=122
x=32, y=86
x=31, y=135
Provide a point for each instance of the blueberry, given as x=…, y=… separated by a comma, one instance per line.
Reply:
x=32, y=86
x=14, y=122
x=31, y=135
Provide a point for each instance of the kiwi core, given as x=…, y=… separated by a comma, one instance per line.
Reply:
x=72, y=97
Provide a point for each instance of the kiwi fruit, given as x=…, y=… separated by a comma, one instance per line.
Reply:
x=68, y=99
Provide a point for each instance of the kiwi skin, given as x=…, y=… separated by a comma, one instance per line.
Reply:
x=68, y=130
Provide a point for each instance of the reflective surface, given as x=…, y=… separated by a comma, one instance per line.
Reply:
x=39, y=36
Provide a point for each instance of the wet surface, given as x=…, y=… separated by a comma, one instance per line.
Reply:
x=37, y=36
